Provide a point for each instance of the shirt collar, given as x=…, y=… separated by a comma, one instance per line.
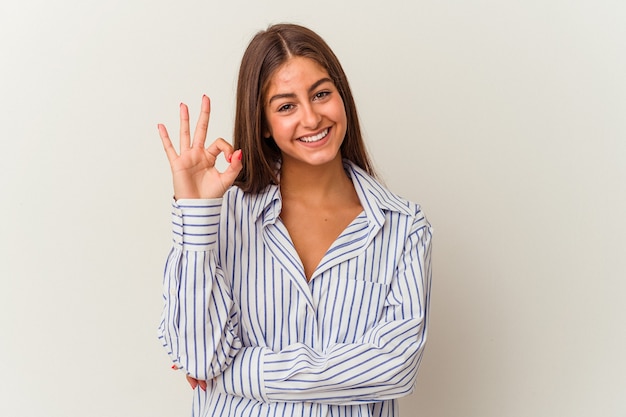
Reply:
x=375, y=198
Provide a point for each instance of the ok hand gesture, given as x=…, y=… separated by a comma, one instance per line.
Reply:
x=193, y=171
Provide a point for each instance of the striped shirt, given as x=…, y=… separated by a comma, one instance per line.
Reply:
x=240, y=313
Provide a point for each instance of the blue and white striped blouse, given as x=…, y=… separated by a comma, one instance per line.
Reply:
x=240, y=313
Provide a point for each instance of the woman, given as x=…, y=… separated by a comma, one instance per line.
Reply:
x=297, y=284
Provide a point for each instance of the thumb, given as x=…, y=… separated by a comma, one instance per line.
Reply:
x=230, y=174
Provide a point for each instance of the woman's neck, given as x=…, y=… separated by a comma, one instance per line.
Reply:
x=314, y=183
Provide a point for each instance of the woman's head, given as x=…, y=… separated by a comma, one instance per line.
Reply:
x=266, y=53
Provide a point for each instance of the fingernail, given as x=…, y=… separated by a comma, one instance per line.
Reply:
x=174, y=367
x=240, y=155
x=230, y=157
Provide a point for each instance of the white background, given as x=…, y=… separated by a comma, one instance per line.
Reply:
x=506, y=120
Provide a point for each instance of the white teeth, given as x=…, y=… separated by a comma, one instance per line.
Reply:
x=315, y=138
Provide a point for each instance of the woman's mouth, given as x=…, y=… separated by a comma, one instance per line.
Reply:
x=314, y=138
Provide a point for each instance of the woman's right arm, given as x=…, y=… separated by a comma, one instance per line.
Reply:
x=199, y=320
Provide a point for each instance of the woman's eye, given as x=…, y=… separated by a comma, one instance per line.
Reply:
x=321, y=95
x=285, y=107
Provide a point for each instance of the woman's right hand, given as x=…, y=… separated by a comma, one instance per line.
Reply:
x=193, y=171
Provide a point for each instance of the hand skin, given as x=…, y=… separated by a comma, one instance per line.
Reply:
x=193, y=170
x=193, y=382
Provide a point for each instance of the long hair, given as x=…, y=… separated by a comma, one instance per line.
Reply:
x=267, y=51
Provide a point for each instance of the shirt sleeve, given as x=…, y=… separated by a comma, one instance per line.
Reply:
x=381, y=365
x=199, y=322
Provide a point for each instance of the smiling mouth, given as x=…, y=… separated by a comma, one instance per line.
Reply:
x=314, y=138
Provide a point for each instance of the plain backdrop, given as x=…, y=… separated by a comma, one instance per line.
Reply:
x=505, y=120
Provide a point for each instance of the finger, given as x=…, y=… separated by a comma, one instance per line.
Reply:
x=202, y=385
x=229, y=176
x=185, y=137
x=229, y=154
x=202, y=126
x=192, y=382
x=170, y=152
x=218, y=146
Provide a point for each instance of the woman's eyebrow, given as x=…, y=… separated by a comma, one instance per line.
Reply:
x=318, y=83
x=292, y=95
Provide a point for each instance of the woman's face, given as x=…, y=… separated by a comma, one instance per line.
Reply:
x=305, y=113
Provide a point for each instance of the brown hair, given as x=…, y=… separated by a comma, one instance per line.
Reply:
x=267, y=51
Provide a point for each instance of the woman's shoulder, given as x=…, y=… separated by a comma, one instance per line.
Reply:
x=250, y=205
x=375, y=193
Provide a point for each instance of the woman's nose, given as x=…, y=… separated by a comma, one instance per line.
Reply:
x=310, y=117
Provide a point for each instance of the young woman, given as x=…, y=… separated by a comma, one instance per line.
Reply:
x=297, y=284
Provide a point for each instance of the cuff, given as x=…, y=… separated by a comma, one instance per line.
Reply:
x=195, y=223
x=244, y=377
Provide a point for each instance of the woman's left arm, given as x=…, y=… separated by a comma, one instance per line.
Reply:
x=380, y=365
